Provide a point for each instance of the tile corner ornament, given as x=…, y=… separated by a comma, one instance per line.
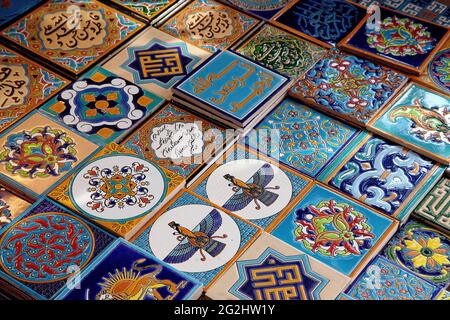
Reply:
x=72, y=34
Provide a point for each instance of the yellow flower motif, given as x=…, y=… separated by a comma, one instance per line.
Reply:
x=423, y=253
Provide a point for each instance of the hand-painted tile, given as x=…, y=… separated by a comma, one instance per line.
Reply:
x=41, y=248
x=117, y=189
x=38, y=152
x=444, y=295
x=52, y=32
x=263, y=8
x=383, y=175
x=435, y=207
x=335, y=230
x=196, y=238
x=209, y=25
x=12, y=205
x=383, y=280
x=400, y=40
x=324, y=21
x=156, y=61
x=232, y=86
x=250, y=185
x=303, y=138
x=102, y=106
x=422, y=250
x=145, y=8
x=10, y=10
x=281, y=51
x=347, y=86
x=439, y=70
x=23, y=86
x=177, y=140
x=272, y=270
x=126, y=272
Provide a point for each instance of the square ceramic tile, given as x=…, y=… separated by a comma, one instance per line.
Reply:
x=334, y=229
x=418, y=118
x=196, y=238
x=402, y=41
x=209, y=25
x=127, y=272
x=383, y=280
x=300, y=137
x=272, y=270
x=24, y=85
x=177, y=140
x=265, y=9
x=102, y=106
x=250, y=185
x=281, y=51
x=435, y=207
x=422, y=250
x=146, y=9
x=12, y=205
x=156, y=61
x=118, y=189
x=72, y=34
x=348, y=87
x=41, y=249
x=10, y=10
x=323, y=21
x=37, y=152
x=384, y=175
x=232, y=87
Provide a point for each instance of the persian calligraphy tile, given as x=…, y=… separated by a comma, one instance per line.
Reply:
x=195, y=237
x=37, y=152
x=41, y=249
x=209, y=25
x=422, y=250
x=23, y=86
x=177, y=140
x=265, y=9
x=418, y=118
x=281, y=51
x=384, y=280
x=302, y=138
x=385, y=176
x=118, y=189
x=156, y=61
x=147, y=8
x=72, y=34
x=334, y=229
x=349, y=87
x=250, y=185
x=232, y=86
x=435, y=207
x=127, y=272
x=102, y=106
x=10, y=10
x=272, y=270
x=12, y=205
x=323, y=21
x=402, y=41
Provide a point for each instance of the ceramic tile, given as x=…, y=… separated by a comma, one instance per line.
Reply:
x=177, y=140
x=422, y=250
x=435, y=207
x=383, y=280
x=117, y=189
x=334, y=229
x=272, y=270
x=10, y=10
x=385, y=176
x=281, y=51
x=324, y=21
x=146, y=9
x=418, y=118
x=302, y=138
x=52, y=33
x=12, y=205
x=23, y=86
x=402, y=41
x=349, y=87
x=102, y=106
x=126, y=272
x=41, y=248
x=38, y=152
x=250, y=185
x=196, y=238
x=209, y=25
x=265, y=9
x=444, y=295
